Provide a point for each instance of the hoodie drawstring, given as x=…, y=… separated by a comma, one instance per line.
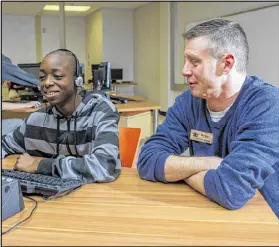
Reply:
x=75, y=133
x=57, y=136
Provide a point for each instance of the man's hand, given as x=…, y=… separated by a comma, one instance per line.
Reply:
x=196, y=182
x=32, y=104
x=6, y=106
x=27, y=163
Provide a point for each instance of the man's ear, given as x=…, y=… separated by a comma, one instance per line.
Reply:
x=228, y=62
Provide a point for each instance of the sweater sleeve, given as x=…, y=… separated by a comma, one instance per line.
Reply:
x=13, y=142
x=102, y=164
x=171, y=138
x=252, y=155
x=15, y=74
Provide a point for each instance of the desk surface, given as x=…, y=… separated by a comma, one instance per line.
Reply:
x=131, y=106
x=140, y=105
x=131, y=211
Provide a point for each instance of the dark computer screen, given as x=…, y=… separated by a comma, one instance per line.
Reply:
x=104, y=69
x=94, y=67
x=32, y=68
x=101, y=76
x=116, y=74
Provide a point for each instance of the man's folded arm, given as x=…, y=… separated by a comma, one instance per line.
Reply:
x=180, y=168
x=170, y=139
x=250, y=162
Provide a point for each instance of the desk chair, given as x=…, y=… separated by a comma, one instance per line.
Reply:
x=129, y=139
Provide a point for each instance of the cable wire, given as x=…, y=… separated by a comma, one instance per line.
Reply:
x=19, y=223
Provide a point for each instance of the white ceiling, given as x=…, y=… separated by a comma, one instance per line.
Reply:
x=36, y=8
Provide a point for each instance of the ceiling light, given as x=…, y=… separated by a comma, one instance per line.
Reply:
x=67, y=8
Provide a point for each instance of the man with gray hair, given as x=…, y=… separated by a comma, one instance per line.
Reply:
x=227, y=119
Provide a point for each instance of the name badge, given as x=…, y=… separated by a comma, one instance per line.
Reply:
x=200, y=136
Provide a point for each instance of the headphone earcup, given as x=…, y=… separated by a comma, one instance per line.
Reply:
x=79, y=81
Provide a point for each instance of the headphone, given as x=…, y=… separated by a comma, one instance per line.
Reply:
x=78, y=78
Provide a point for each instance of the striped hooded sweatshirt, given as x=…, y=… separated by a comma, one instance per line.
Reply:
x=84, y=146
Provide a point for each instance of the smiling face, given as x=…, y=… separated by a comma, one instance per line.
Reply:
x=57, y=79
x=203, y=72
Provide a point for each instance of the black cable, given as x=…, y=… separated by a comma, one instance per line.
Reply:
x=75, y=124
x=17, y=224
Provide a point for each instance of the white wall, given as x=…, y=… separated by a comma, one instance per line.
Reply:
x=147, y=51
x=18, y=38
x=165, y=51
x=146, y=20
x=75, y=35
x=109, y=37
x=189, y=12
x=263, y=42
x=118, y=40
x=94, y=41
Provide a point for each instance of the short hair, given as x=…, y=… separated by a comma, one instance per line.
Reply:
x=225, y=36
x=70, y=55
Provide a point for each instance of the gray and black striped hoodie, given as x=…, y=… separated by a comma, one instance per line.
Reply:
x=84, y=147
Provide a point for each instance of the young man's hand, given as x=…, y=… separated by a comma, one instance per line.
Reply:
x=27, y=163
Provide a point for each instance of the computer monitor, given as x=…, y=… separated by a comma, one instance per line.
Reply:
x=94, y=67
x=105, y=74
x=32, y=68
x=81, y=71
x=102, y=77
x=33, y=91
x=116, y=74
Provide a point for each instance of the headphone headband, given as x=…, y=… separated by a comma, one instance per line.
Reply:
x=78, y=78
x=76, y=60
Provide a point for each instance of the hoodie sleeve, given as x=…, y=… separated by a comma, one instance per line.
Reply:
x=102, y=164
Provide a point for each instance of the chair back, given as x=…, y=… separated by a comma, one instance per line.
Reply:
x=129, y=139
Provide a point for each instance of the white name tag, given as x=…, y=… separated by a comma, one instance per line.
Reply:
x=200, y=136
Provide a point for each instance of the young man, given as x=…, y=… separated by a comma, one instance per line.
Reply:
x=74, y=137
x=228, y=120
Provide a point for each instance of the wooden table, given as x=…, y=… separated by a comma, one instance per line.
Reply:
x=131, y=211
x=131, y=106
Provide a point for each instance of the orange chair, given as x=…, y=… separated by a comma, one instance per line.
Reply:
x=129, y=139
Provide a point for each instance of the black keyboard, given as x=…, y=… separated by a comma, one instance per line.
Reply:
x=32, y=97
x=121, y=99
x=41, y=184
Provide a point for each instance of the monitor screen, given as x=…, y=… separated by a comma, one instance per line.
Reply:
x=32, y=68
x=94, y=67
x=81, y=68
x=116, y=74
x=101, y=76
x=105, y=70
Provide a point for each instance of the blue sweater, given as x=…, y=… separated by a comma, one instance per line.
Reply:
x=17, y=75
x=247, y=138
